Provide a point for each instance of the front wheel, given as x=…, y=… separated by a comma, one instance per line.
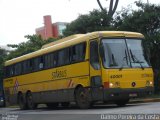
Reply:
x=82, y=98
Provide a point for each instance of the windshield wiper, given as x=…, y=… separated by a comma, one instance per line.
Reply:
x=113, y=61
x=125, y=58
x=135, y=60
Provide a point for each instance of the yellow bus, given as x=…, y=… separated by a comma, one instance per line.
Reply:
x=107, y=66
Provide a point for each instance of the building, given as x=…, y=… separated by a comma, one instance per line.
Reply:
x=51, y=29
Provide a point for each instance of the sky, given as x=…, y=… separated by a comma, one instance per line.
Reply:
x=21, y=17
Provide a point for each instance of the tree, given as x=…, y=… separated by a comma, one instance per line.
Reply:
x=34, y=43
x=3, y=54
x=112, y=7
x=94, y=21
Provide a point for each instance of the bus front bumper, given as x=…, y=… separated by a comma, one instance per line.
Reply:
x=120, y=94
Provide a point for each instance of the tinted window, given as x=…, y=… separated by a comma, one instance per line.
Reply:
x=78, y=52
x=115, y=53
x=47, y=61
x=94, y=58
x=36, y=63
x=62, y=57
x=17, y=68
x=26, y=66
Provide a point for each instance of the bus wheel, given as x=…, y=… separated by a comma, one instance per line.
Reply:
x=122, y=103
x=52, y=105
x=65, y=104
x=21, y=102
x=82, y=98
x=30, y=103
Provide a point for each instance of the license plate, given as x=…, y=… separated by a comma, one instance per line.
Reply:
x=133, y=95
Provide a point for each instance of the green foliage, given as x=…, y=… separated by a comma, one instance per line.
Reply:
x=94, y=21
x=3, y=54
x=34, y=43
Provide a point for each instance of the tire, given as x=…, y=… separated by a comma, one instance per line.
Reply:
x=65, y=104
x=82, y=98
x=122, y=103
x=22, y=102
x=30, y=102
x=52, y=105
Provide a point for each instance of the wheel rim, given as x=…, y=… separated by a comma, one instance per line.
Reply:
x=83, y=97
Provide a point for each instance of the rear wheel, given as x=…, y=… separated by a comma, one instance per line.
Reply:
x=82, y=98
x=122, y=103
x=30, y=102
x=21, y=102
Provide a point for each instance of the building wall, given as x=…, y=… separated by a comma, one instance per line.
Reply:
x=49, y=29
x=40, y=31
x=48, y=26
x=55, y=30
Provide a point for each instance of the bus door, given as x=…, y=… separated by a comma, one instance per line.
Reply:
x=95, y=72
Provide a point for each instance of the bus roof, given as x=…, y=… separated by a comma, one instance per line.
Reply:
x=71, y=40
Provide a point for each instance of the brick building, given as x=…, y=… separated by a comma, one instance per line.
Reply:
x=51, y=29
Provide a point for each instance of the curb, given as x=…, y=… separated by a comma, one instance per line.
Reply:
x=145, y=100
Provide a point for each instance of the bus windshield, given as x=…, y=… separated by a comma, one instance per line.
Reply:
x=124, y=53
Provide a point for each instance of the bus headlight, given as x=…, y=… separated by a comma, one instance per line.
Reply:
x=114, y=85
x=110, y=85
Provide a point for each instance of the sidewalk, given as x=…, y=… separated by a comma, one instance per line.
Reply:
x=145, y=100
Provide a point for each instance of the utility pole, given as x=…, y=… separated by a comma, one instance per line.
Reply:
x=147, y=1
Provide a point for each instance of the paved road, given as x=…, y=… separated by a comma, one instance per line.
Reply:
x=74, y=113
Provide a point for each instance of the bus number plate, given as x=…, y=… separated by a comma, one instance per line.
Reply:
x=133, y=95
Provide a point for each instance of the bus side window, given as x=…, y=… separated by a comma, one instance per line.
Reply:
x=47, y=61
x=18, y=69
x=78, y=52
x=26, y=66
x=30, y=65
x=60, y=57
x=55, y=59
x=66, y=56
x=63, y=57
x=12, y=71
x=36, y=62
x=7, y=71
x=41, y=64
x=94, y=57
